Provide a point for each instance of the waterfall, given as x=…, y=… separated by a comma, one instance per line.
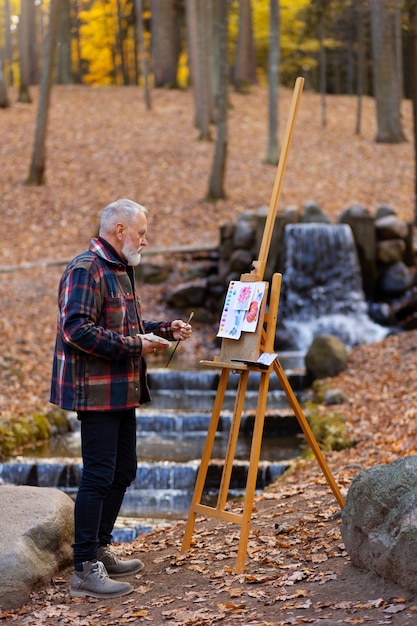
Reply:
x=322, y=290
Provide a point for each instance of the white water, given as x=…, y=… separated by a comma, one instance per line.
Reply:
x=322, y=290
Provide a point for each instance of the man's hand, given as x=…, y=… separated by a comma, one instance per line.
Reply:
x=151, y=344
x=181, y=330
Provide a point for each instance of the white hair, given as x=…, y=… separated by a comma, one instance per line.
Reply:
x=121, y=211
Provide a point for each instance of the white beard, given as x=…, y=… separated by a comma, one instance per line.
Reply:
x=131, y=255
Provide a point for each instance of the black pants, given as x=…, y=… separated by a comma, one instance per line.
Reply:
x=108, y=441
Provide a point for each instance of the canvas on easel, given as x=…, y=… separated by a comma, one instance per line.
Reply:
x=241, y=320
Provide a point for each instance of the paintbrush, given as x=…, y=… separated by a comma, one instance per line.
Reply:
x=178, y=342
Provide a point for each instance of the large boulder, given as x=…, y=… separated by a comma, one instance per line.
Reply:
x=325, y=357
x=35, y=540
x=379, y=521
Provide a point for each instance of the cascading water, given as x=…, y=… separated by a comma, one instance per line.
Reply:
x=171, y=433
x=322, y=290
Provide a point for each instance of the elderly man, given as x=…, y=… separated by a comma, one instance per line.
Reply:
x=99, y=371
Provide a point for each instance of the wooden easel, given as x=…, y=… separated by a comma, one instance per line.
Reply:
x=248, y=348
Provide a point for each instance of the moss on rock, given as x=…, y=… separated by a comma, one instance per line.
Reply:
x=18, y=433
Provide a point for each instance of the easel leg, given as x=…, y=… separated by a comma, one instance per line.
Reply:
x=308, y=432
x=205, y=459
x=253, y=471
x=232, y=441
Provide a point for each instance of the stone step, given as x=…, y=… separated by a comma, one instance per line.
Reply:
x=207, y=379
x=167, y=423
x=196, y=390
x=66, y=473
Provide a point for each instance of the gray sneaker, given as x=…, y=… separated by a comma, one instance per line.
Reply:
x=94, y=581
x=115, y=566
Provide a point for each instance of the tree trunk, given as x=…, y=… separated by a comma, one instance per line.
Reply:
x=38, y=164
x=197, y=26
x=142, y=52
x=216, y=184
x=120, y=39
x=34, y=46
x=322, y=72
x=214, y=53
x=8, y=49
x=165, y=29
x=412, y=61
x=79, y=71
x=244, y=72
x=4, y=100
x=273, y=75
x=25, y=21
x=64, y=62
x=360, y=63
x=387, y=83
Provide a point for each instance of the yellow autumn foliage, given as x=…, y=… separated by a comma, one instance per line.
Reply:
x=101, y=21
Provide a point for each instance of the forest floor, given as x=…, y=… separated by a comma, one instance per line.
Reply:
x=104, y=144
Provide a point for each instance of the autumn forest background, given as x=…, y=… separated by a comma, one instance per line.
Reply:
x=182, y=105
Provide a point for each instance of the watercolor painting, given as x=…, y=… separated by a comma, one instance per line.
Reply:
x=241, y=308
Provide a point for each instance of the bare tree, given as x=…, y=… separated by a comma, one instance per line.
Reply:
x=38, y=163
x=77, y=38
x=143, y=53
x=411, y=8
x=8, y=49
x=216, y=184
x=4, y=100
x=322, y=70
x=244, y=71
x=198, y=27
x=165, y=27
x=121, y=35
x=387, y=83
x=64, y=75
x=273, y=79
x=360, y=19
x=26, y=23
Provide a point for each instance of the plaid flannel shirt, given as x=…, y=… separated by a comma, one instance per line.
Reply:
x=97, y=362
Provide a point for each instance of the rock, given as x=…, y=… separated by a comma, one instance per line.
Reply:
x=383, y=211
x=354, y=211
x=334, y=396
x=396, y=279
x=380, y=312
x=153, y=273
x=313, y=213
x=379, y=521
x=188, y=294
x=35, y=542
x=390, y=251
x=241, y=261
x=326, y=356
x=391, y=227
x=363, y=230
x=291, y=214
x=244, y=235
